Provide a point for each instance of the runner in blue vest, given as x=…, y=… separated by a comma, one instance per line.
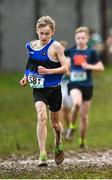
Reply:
x=44, y=70
x=83, y=61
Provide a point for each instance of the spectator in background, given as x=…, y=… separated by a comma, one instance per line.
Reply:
x=96, y=42
x=108, y=45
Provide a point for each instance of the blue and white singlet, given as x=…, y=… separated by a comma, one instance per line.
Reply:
x=41, y=58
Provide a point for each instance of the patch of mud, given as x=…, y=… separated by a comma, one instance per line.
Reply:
x=96, y=159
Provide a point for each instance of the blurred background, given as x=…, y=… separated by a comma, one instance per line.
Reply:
x=18, y=20
x=17, y=26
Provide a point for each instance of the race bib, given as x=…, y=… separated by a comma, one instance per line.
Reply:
x=35, y=81
x=78, y=75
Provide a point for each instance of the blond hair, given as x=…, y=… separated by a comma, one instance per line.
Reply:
x=44, y=21
x=82, y=29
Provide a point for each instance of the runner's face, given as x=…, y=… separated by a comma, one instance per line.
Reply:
x=44, y=34
x=81, y=40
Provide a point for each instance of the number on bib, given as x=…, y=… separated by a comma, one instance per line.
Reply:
x=77, y=76
x=35, y=81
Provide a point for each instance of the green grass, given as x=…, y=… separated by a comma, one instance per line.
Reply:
x=18, y=117
x=57, y=173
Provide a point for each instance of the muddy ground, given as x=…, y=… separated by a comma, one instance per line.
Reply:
x=78, y=160
x=83, y=159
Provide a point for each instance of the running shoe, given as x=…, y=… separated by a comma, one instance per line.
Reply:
x=83, y=146
x=42, y=160
x=59, y=154
x=69, y=134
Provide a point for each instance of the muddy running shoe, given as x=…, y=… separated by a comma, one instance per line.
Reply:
x=69, y=134
x=42, y=160
x=83, y=146
x=59, y=154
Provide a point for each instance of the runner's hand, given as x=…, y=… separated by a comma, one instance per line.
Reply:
x=23, y=81
x=42, y=70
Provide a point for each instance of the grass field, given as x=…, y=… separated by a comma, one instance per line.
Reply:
x=18, y=117
x=57, y=173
